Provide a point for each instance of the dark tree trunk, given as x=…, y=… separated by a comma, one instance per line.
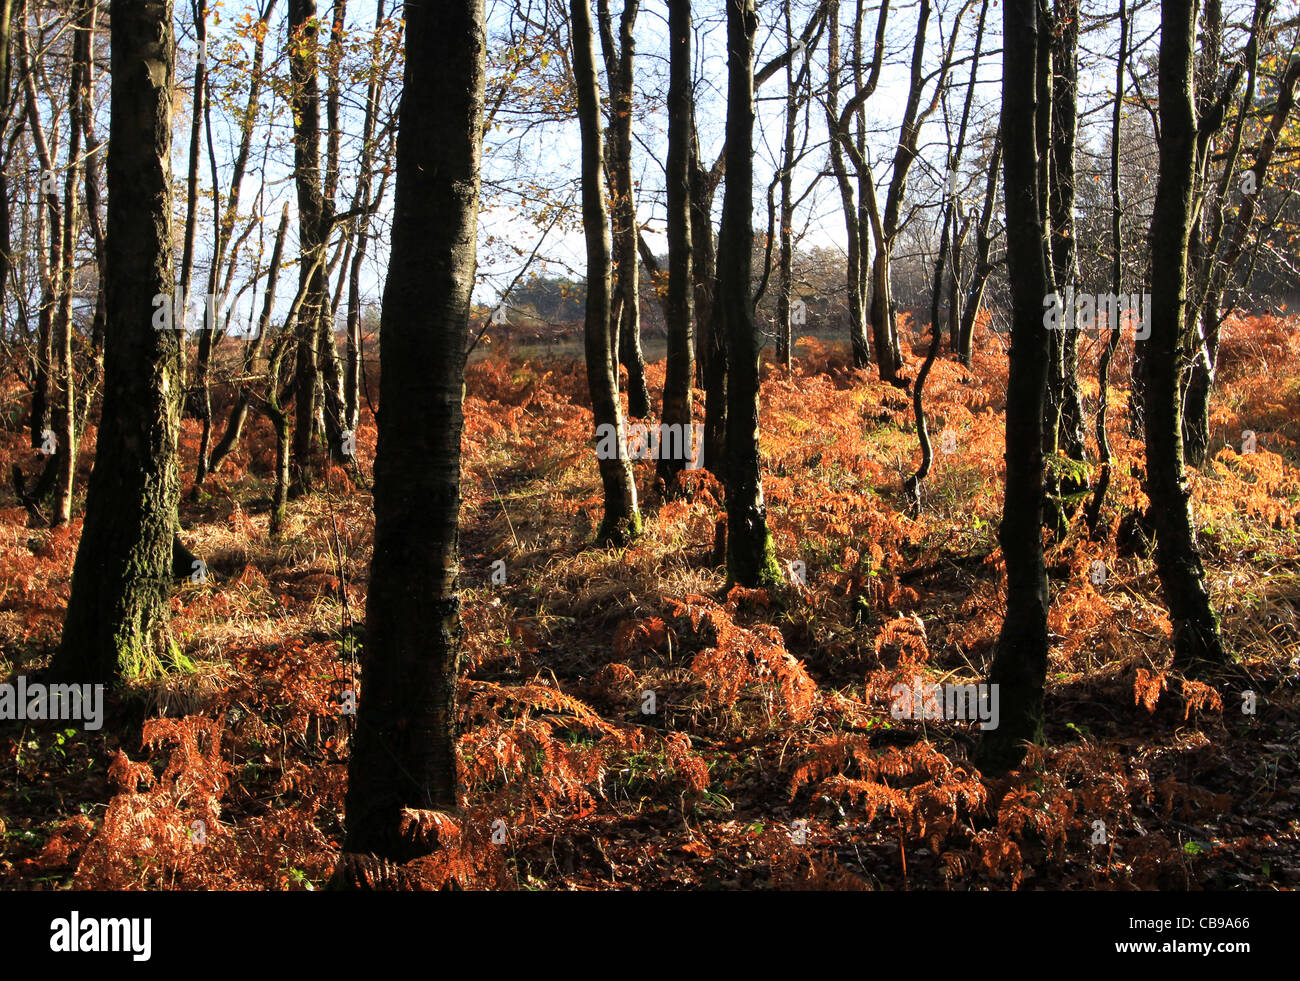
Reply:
x=118, y=612
x=680, y=308
x=1116, y=279
x=6, y=37
x=200, y=398
x=751, y=560
x=1020, y=657
x=619, y=59
x=405, y=751
x=303, y=29
x=1196, y=627
x=703, y=257
x=622, y=521
x=1063, y=424
x=711, y=345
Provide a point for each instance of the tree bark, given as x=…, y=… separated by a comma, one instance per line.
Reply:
x=626, y=306
x=1063, y=424
x=311, y=232
x=1116, y=279
x=965, y=341
x=622, y=521
x=751, y=559
x=1020, y=656
x=118, y=612
x=405, y=750
x=1182, y=577
x=679, y=311
x=65, y=416
x=853, y=226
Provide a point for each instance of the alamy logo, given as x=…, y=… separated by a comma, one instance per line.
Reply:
x=102, y=934
x=665, y=441
x=1096, y=311
x=206, y=311
x=81, y=703
x=964, y=703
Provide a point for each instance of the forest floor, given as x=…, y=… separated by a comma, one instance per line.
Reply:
x=629, y=724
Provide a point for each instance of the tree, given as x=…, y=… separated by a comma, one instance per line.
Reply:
x=1116, y=278
x=312, y=225
x=950, y=216
x=118, y=612
x=622, y=520
x=6, y=108
x=711, y=350
x=883, y=319
x=679, y=311
x=751, y=559
x=1182, y=577
x=859, y=244
x=1216, y=254
x=1063, y=425
x=963, y=342
x=625, y=308
x=404, y=754
x=1020, y=656
x=224, y=224
x=65, y=416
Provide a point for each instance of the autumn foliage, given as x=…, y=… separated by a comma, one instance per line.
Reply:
x=625, y=722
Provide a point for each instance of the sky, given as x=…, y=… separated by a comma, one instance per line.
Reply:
x=527, y=161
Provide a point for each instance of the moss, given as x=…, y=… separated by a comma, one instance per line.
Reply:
x=620, y=531
x=768, y=569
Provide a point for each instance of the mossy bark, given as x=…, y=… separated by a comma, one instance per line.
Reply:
x=118, y=612
x=1182, y=577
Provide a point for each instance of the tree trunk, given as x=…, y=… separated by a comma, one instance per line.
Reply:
x=884, y=325
x=1020, y=656
x=1182, y=578
x=65, y=416
x=6, y=37
x=303, y=27
x=1116, y=279
x=405, y=751
x=785, y=260
x=1063, y=423
x=622, y=521
x=853, y=227
x=619, y=58
x=49, y=268
x=200, y=400
x=118, y=612
x=703, y=258
x=1223, y=259
x=751, y=559
x=965, y=340
x=353, y=366
x=680, y=308
x=239, y=411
